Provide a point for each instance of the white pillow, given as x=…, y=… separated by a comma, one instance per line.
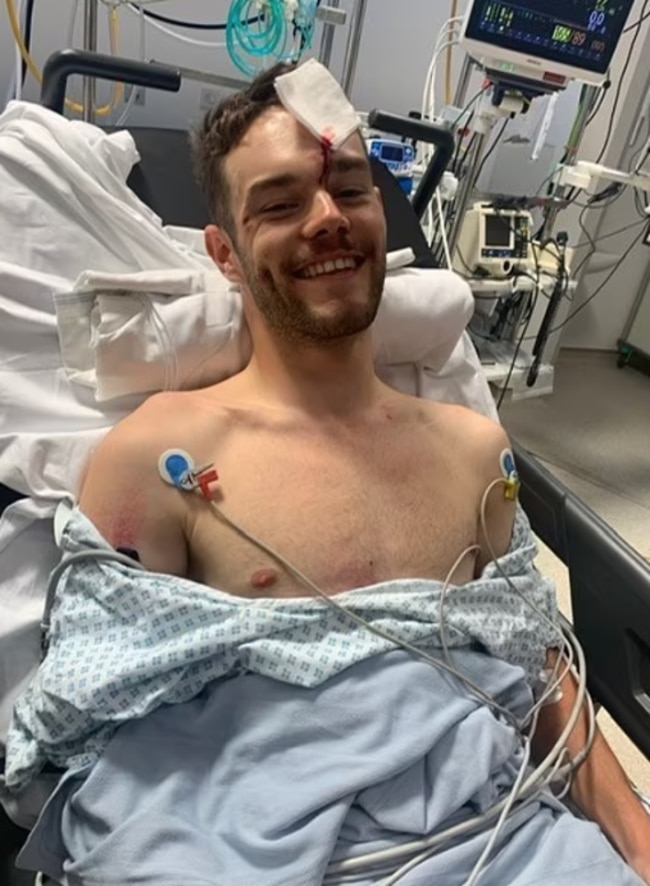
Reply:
x=123, y=334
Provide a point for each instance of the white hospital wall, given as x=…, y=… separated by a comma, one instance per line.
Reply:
x=395, y=50
x=51, y=21
x=385, y=76
x=396, y=46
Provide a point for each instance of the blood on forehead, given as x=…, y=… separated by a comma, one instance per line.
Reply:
x=326, y=142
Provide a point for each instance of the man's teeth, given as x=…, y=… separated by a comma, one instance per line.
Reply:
x=329, y=267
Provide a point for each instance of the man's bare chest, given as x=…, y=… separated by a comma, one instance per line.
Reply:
x=345, y=515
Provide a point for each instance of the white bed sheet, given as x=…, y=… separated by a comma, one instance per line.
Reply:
x=66, y=210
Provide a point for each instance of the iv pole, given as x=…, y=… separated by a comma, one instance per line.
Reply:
x=353, y=44
x=90, y=45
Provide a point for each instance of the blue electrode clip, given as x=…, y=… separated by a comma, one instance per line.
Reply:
x=177, y=468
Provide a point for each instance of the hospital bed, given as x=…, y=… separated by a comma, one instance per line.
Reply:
x=610, y=582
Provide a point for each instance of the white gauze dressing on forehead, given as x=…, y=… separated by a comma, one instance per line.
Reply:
x=316, y=100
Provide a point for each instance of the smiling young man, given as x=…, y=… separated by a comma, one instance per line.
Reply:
x=350, y=481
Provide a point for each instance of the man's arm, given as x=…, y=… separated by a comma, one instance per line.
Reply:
x=500, y=511
x=124, y=496
x=600, y=788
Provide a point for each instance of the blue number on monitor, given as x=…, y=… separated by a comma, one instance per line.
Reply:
x=596, y=19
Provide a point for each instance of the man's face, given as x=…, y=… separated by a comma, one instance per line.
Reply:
x=310, y=249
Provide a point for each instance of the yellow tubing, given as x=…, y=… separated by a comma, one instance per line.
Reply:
x=450, y=50
x=38, y=76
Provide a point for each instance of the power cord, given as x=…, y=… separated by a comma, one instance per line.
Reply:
x=493, y=147
x=471, y=103
x=29, y=24
x=459, y=140
x=526, y=320
x=522, y=338
x=594, y=240
x=456, y=162
x=644, y=16
x=597, y=204
x=551, y=312
x=195, y=26
x=597, y=291
x=599, y=101
x=599, y=201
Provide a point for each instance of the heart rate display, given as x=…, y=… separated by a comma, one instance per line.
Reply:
x=577, y=33
x=562, y=34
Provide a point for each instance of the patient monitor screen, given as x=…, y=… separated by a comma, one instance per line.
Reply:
x=579, y=33
x=497, y=231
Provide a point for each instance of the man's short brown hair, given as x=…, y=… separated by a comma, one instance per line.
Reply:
x=222, y=129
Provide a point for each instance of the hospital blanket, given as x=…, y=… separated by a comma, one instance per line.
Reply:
x=260, y=782
x=213, y=739
x=124, y=642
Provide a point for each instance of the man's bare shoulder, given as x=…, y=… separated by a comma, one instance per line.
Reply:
x=167, y=419
x=151, y=425
x=159, y=411
x=123, y=492
x=479, y=443
x=471, y=432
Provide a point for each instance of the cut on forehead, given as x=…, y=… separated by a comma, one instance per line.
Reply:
x=276, y=140
x=278, y=132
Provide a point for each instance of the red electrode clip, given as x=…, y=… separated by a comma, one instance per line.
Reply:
x=203, y=478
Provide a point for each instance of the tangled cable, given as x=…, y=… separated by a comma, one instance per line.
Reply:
x=258, y=30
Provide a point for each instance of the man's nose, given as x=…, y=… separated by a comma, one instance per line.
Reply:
x=325, y=216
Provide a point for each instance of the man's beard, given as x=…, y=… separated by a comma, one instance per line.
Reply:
x=294, y=320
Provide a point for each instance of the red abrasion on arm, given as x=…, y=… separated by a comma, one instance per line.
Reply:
x=123, y=528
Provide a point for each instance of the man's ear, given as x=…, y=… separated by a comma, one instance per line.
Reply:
x=222, y=252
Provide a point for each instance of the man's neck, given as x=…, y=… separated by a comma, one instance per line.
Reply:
x=335, y=380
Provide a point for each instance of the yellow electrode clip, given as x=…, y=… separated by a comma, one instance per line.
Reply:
x=509, y=469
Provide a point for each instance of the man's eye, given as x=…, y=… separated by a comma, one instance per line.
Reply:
x=279, y=208
x=351, y=193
